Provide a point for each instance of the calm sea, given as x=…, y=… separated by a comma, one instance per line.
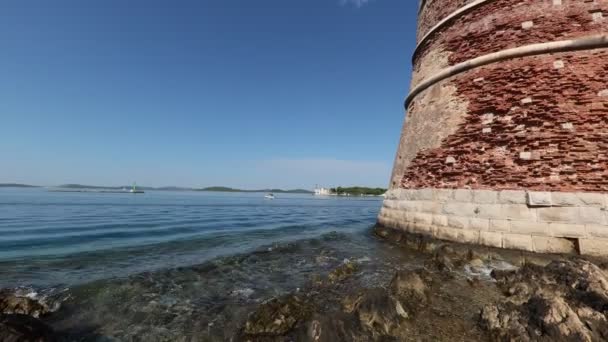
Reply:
x=179, y=266
x=58, y=238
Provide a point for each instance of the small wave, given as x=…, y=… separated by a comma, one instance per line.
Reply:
x=485, y=271
x=363, y=260
x=49, y=298
x=242, y=293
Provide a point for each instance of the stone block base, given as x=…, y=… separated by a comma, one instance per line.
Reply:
x=542, y=222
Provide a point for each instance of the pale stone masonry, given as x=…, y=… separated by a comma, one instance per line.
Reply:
x=545, y=222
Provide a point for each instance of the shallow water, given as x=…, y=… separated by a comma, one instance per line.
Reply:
x=173, y=265
x=212, y=300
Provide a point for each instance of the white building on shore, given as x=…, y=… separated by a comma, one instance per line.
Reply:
x=321, y=191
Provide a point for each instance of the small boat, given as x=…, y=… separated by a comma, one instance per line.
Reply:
x=135, y=191
x=269, y=196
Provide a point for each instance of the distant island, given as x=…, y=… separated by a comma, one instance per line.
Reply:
x=14, y=185
x=175, y=188
x=339, y=191
x=357, y=191
x=82, y=187
x=277, y=191
x=96, y=187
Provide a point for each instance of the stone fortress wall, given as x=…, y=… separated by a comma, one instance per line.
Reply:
x=505, y=141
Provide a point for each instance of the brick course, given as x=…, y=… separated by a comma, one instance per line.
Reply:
x=529, y=147
x=500, y=24
x=434, y=11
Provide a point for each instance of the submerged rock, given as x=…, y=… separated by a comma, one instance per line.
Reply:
x=379, y=312
x=13, y=304
x=409, y=287
x=341, y=273
x=24, y=328
x=441, y=263
x=563, y=301
x=278, y=316
x=338, y=326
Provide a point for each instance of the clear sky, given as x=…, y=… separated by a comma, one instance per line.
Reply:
x=242, y=93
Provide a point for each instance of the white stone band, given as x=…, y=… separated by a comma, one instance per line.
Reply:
x=586, y=43
x=546, y=222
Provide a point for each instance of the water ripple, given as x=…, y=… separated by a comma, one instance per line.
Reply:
x=48, y=238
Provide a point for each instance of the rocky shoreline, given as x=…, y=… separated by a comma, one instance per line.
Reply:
x=458, y=293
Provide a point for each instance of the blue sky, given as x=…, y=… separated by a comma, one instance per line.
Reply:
x=243, y=93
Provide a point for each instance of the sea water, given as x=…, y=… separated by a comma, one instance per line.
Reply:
x=49, y=238
x=178, y=265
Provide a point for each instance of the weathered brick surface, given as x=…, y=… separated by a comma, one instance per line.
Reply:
x=504, y=24
x=559, y=159
x=512, y=154
x=434, y=11
x=436, y=115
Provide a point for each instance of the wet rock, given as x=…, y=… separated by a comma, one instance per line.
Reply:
x=409, y=287
x=474, y=282
x=322, y=260
x=317, y=280
x=278, y=316
x=341, y=273
x=24, y=328
x=351, y=302
x=544, y=318
x=504, y=322
x=476, y=267
x=379, y=312
x=563, y=301
x=580, y=279
x=476, y=263
x=381, y=231
x=338, y=326
x=13, y=304
x=558, y=320
x=441, y=263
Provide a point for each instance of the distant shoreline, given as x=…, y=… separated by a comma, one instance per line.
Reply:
x=278, y=191
x=338, y=192
x=14, y=185
x=121, y=189
x=92, y=190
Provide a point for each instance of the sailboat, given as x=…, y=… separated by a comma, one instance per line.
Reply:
x=135, y=191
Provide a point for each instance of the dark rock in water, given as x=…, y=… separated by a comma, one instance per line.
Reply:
x=338, y=326
x=23, y=328
x=12, y=304
x=441, y=263
x=347, y=269
x=409, y=287
x=379, y=312
x=544, y=318
x=563, y=301
x=416, y=242
x=338, y=275
x=278, y=316
x=381, y=231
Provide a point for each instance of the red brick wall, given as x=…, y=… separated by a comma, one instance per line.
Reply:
x=434, y=11
x=558, y=141
x=497, y=25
